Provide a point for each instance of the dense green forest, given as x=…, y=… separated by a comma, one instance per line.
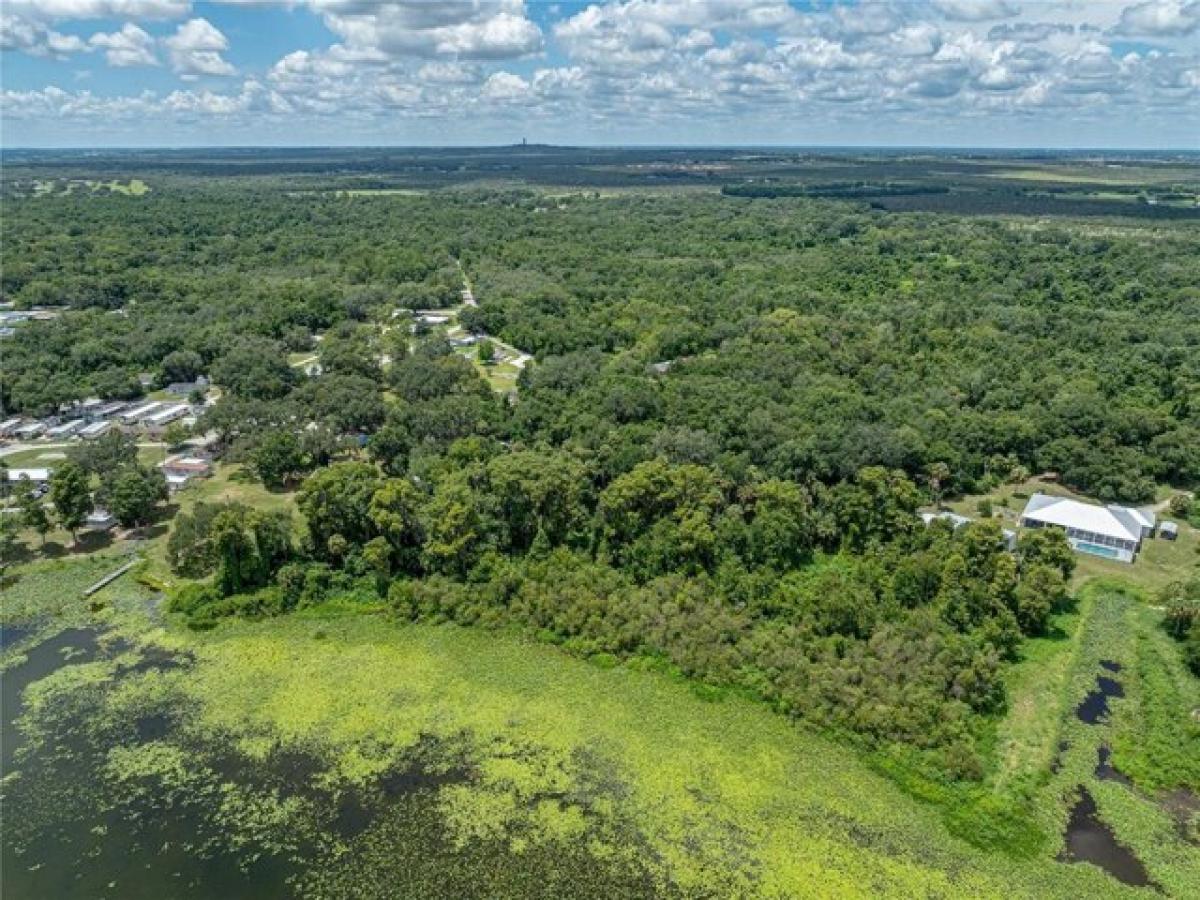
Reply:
x=727, y=408
x=736, y=406
x=806, y=338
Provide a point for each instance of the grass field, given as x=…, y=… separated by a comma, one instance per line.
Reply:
x=35, y=457
x=1101, y=175
x=134, y=187
x=501, y=376
x=381, y=192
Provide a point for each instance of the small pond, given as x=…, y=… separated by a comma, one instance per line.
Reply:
x=1090, y=840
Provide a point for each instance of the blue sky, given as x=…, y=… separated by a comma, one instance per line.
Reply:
x=1095, y=73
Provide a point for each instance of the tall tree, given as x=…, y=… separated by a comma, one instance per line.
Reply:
x=71, y=495
x=133, y=493
x=33, y=510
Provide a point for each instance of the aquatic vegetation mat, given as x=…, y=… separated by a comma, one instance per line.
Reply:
x=361, y=758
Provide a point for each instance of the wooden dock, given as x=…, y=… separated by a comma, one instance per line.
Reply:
x=110, y=578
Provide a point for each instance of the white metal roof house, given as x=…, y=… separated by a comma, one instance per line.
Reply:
x=99, y=520
x=177, y=481
x=953, y=518
x=135, y=415
x=37, y=476
x=1114, y=532
x=167, y=415
x=105, y=410
x=66, y=429
x=93, y=431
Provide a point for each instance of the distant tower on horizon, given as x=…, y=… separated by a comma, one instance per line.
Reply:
x=523, y=142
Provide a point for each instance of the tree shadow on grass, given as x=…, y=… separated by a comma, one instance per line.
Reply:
x=19, y=553
x=52, y=550
x=150, y=532
x=87, y=542
x=1056, y=633
x=92, y=541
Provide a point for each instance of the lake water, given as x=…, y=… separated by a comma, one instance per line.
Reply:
x=226, y=826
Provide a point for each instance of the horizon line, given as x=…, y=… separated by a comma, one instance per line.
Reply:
x=1191, y=151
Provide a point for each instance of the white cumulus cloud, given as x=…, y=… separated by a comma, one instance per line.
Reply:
x=195, y=49
x=1160, y=18
x=131, y=46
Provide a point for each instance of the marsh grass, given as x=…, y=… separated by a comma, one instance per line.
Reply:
x=1154, y=740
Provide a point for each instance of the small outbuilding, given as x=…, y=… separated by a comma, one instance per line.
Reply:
x=99, y=520
x=1169, y=531
x=187, y=388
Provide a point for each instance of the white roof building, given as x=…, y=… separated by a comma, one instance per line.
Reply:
x=1112, y=531
x=176, y=482
x=90, y=432
x=956, y=522
x=953, y=518
x=8, y=426
x=106, y=409
x=167, y=415
x=37, y=476
x=99, y=520
x=130, y=416
x=66, y=429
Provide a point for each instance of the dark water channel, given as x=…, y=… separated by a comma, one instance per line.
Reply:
x=1095, y=705
x=1089, y=840
x=11, y=634
x=1105, y=770
x=80, y=644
